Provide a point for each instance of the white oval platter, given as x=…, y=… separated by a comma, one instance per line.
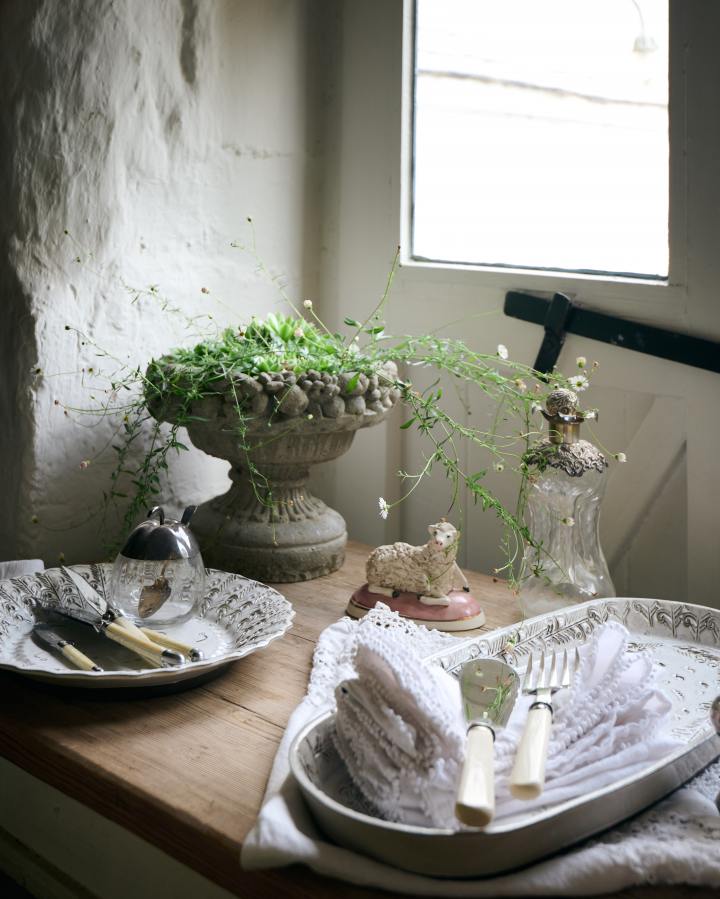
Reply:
x=236, y=617
x=685, y=642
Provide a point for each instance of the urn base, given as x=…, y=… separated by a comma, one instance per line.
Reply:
x=306, y=540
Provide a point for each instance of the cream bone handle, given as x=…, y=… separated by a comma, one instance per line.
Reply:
x=528, y=775
x=163, y=639
x=141, y=645
x=79, y=659
x=475, y=803
x=171, y=643
x=132, y=627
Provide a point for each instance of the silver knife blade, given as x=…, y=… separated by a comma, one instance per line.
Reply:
x=87, y=593
x=50, y=637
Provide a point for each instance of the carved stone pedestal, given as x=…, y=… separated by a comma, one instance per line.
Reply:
x=282, y=533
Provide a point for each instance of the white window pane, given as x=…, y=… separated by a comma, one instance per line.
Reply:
x=541, y=134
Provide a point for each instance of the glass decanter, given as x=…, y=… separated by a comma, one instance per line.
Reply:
x=159, y=575
x=567, y=482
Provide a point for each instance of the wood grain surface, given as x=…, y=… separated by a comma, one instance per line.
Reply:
x=187, y=771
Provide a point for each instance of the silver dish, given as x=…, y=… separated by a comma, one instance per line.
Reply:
x=236, y=617
x=685, y=642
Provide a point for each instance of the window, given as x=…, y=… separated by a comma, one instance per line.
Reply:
x=541, y=135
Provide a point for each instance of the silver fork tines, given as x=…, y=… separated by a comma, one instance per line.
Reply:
x=565, y=675
x=551, y=672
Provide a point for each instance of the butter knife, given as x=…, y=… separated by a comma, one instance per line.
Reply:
x=67, y=649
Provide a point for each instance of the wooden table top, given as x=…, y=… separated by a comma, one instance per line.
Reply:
x=187, y=771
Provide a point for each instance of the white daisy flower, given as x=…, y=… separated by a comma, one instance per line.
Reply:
x=498, y=466
x=621, y=457
x=502, y=351
x=307, y=304
x=384, y=508
x=521, y=385
x=579, y=382
x=581, y=362
x=568, y=522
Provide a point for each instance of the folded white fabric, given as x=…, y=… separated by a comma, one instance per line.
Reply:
x=401, y=733
x=20, y=568
x=675, y=842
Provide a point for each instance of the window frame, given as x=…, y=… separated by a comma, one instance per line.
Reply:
x=663, y=298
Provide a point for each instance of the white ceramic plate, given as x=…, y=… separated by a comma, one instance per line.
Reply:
x=684, y=640
x=237, y=616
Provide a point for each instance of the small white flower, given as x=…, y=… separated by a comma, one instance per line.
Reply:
x=521, y=385
x=568, y=522
x=383, y=506
x=307, y=304
x=502, y=351
x=85, y=463
x=498, y=466
x=579, y=382
x=621, y=457
x=581, y=361
x=298, y=333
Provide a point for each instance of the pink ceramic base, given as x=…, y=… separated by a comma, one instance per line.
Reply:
x=463, y=613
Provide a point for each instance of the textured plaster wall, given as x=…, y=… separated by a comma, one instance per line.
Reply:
x=149, y=131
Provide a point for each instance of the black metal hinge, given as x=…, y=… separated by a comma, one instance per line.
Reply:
x=560, y=316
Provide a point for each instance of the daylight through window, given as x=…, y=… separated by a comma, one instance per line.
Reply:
x=541, y=134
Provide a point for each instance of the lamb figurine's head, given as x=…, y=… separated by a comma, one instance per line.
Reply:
x=442, y=535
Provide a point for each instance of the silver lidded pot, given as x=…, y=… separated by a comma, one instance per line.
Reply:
x=567, y=477
x=158, y=577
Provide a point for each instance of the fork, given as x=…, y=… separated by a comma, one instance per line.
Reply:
x=528, y=775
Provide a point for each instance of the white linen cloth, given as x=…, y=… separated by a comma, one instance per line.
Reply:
x=20, y=568
x=677, y=841
x=401, y=732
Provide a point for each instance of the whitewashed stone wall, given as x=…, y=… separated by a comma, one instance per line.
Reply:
x=149, y=131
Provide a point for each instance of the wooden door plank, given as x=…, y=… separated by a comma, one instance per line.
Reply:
x=656, y=447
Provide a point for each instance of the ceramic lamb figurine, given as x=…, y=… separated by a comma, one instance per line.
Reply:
x=429, y=571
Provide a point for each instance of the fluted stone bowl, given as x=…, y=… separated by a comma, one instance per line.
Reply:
x=270, y=527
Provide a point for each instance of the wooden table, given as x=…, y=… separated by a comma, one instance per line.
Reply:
x=187, y=771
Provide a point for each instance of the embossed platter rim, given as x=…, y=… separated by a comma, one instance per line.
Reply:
x=688, y=629
x=237, y=616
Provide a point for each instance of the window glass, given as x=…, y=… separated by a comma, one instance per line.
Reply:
x=541, y=134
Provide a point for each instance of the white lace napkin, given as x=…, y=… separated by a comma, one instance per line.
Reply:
x=401, y=732
x=677, y=841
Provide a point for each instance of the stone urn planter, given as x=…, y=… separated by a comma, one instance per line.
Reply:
x=269, y=526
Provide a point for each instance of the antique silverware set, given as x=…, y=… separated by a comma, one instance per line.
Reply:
x=90, y=608
x=489, y=689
